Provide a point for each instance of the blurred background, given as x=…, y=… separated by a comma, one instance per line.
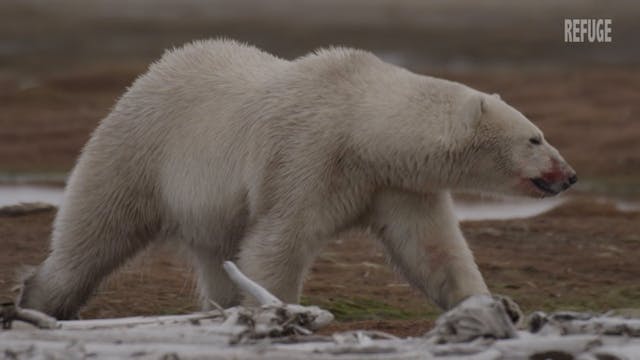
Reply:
x=64, y=63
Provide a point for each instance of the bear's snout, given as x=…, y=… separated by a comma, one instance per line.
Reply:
x=569, y=180
x=554, y=182
x=573, y=178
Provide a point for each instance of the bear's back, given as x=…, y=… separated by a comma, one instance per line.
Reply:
x=213, y=61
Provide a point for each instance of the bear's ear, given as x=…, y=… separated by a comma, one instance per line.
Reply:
x=472, y=109
x=497, y=96
x=483, y=105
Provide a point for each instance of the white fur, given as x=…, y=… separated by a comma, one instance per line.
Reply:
x=241, y=155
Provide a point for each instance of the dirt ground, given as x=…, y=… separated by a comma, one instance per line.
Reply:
x=582, y=255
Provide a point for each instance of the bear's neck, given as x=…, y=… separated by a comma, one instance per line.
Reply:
x=406, y=137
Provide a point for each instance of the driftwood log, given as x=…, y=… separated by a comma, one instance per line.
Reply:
x=25, y=209
x=479, y=328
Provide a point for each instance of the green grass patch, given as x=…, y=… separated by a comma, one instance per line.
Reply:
x=174, y=310
x=350, y=309
x=596, y=301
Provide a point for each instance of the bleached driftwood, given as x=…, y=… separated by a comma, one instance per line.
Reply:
x=271, y=318
x=481, y=327
x=249, y=286
x=25, y=208
x=9, y=313
x=571, y=323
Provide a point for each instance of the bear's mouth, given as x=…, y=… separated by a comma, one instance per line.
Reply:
x=543, y=185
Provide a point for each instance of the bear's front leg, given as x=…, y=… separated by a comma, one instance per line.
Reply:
x=423, y=239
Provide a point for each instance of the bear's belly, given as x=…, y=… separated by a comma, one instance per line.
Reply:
x=205, y=201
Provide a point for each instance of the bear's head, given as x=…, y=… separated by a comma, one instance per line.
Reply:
x=508, y=154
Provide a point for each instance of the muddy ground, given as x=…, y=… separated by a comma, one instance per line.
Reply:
x=580, y=256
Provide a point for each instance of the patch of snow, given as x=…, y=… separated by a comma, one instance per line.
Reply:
x=505, y=209
x=14, y=194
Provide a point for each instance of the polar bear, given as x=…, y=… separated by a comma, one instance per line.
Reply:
x=237, y=154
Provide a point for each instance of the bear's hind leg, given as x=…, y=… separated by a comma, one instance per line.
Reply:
x=91, y=238
x=213, y=283
x=277, y=257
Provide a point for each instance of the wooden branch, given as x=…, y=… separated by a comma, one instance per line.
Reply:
x=249, y=286
x=25, y=209
x=10, y=313
x=571, y=323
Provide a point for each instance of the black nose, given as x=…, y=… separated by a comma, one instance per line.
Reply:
x=573, y=179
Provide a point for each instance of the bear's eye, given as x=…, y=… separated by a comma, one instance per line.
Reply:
x=535, y=141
